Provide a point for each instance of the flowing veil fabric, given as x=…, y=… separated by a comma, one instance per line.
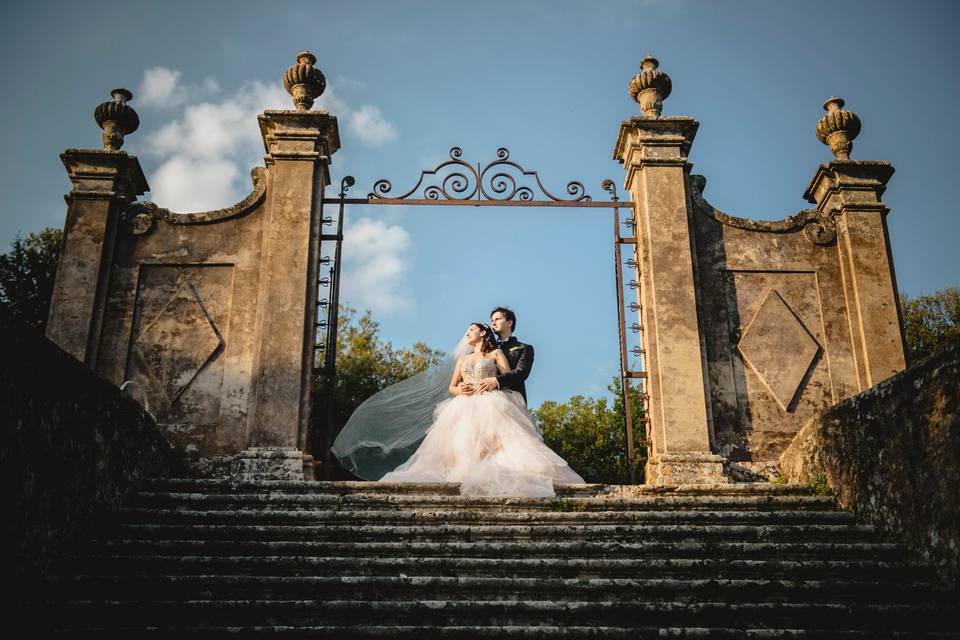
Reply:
x=387, y=427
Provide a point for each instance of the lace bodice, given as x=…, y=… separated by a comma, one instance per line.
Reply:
x=474, y=372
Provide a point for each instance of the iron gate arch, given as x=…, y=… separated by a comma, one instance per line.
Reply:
x=460, y=183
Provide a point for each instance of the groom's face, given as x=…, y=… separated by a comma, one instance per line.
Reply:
x=499, y=322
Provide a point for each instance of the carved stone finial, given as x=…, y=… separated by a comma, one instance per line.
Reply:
x=117, y=119
x=838, y=128
x=304, y=81
x=650, y=87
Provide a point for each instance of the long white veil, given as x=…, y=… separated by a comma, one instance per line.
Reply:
x=388, y=426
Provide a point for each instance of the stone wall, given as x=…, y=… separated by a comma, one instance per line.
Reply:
x=208, y=317
x=750, y=327
x=778, y=311
x=892, y=455
x=72, y=447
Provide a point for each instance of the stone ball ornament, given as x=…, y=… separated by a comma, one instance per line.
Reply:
x=304, y=81
x=838, y=128
x=650, y=87
x=116, y=118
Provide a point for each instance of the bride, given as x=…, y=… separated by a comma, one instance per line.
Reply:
x=486, y=441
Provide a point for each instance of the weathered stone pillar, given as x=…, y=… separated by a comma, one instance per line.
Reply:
x=298, y=145
x=849, y=192
x=654, y=153
x=104, y=181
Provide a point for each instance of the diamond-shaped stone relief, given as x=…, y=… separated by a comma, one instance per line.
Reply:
x=176, y=343
x=779, y=348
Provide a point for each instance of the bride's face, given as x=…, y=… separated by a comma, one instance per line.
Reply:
x=474, y=335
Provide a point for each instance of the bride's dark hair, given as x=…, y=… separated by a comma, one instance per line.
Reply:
x=488, y=344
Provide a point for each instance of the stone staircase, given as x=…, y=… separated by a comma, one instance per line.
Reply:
x=212, y=559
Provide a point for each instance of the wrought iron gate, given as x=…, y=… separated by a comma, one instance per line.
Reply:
x=459, y=183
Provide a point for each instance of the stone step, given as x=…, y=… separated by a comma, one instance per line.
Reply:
x=215, y=558
x=892, y=590
x=287, y=487
x=663, y=533
x=303, y=527
x=384, y=501
x=409, y=517
x=899, y=617
x=541, y=632
x=546, y=567
x=497, y=549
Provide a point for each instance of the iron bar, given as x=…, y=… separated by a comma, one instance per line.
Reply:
x=621, y=325
x=481, y=203
x=333, y=316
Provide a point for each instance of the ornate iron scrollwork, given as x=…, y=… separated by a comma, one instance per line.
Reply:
x=500, y=181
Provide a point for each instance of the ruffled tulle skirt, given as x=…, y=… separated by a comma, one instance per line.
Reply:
x=488, y=444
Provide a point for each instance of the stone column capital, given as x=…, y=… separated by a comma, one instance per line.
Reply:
x=654, y=142
x=102, y=174
x=849, y=184
x=298, y=135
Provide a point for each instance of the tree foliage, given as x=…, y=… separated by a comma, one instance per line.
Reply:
x=591, y=435
x=930, y=321
x=27, y=273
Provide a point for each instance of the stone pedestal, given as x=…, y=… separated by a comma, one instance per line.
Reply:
x=274, y=463
x=654, y=153
x=669, y=469
x=103, y=183
x=849, y=192
x=299, y=145
x=257, y=463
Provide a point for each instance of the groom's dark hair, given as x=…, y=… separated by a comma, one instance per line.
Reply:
x=509, y=315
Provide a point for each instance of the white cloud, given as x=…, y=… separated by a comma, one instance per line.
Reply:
x=161, y=88
x=375, y=266
x=158, y=87
x=206, y=153
x=344, y=81
x=219, y=139
x=368, y=124
x=187, y=184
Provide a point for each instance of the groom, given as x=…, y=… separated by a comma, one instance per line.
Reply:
x=519, y=355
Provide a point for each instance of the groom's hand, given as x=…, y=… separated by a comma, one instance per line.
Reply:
x=488, y=384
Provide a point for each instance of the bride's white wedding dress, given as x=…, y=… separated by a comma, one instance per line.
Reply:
x=486, y=442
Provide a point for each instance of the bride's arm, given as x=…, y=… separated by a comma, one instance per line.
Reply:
x=502, y=365
x=454, y=387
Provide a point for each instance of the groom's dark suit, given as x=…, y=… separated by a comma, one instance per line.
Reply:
x=520, y=358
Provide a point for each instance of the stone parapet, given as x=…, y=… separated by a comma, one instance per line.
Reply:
x=73, y=445
x=892, y=455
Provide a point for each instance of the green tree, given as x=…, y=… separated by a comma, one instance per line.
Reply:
x=591, y=435
x=930, y=321
x=26, y=276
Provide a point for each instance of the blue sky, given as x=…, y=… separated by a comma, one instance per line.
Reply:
x=548, y=80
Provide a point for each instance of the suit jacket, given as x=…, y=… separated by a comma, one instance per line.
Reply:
x=520, y=358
